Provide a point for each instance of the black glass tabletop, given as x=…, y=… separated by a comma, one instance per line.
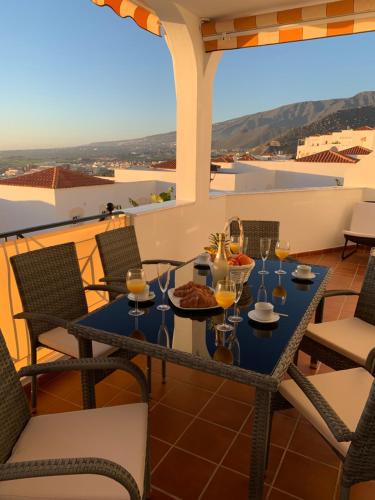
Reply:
x=252, y=345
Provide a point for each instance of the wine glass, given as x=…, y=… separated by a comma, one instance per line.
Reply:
x=236, y=318
x=135, y=283
x=163, y=279
x=235, y=245
x=282, y=251
x=265, y=245
x=225, y=294
x=279, y=293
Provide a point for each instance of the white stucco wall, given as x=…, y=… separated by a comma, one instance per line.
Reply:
x=144, y=174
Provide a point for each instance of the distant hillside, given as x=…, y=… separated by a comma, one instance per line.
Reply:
x=341, y=120
x=242, y=133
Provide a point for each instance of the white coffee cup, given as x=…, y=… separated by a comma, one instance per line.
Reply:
x=303, y=270
x=263, y=310
x=145, y=294
x=203, y=258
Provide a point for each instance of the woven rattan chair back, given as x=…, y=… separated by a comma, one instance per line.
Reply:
x=14, y=409
x=49, y=281
x=118, y=251
x=254, y=230
x=365, y=309
x=360, y=459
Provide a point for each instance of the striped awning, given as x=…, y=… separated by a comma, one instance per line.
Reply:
x=125, y=8
x=344, y=17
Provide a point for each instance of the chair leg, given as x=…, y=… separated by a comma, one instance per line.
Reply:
x=34, y=379
x=149, y=375
x=313, y=363
x=345, y=493
x=164, y=371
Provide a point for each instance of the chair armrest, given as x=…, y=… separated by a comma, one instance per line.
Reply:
x=330, y=417
x=327, y=294
x=107, y=288
x=81, y=364
x=370, y=362
x=118, y=279
x=70, y=466
x=176, y=263
x=47, y=318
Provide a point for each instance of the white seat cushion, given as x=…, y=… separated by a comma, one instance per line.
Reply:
x=60, y=340
x=359, y=235
x=363, y=219
x=346, y=391
x=352, y=337
x=117, y=433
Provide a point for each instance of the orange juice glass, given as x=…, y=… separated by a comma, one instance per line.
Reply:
x=282, y=250
x=225, y=295
x=135, y=283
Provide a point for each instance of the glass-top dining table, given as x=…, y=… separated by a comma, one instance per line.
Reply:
x=253, y=353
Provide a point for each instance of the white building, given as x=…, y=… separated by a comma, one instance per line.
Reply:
x=362, y=136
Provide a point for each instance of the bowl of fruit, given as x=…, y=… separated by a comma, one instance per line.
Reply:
x=240, y=265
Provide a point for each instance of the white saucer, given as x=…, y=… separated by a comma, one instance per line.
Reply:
x=141, y=299
x=309, y=276
x=252, y=315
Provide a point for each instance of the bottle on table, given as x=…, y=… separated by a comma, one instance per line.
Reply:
x=220, y=266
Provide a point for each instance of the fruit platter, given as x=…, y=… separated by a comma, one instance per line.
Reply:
x=240, y=265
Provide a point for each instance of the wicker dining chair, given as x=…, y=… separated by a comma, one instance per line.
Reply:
x=97, y=453
x=119, y=252
x=52, y=294
x=254, y=230
x=341, y=407
x=345, y=343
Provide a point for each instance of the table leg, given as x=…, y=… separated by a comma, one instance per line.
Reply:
x=261, y=429
x=87, y=376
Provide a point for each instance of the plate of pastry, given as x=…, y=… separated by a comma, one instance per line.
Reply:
x=193, y=297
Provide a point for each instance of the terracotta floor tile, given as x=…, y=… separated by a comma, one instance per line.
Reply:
x=158, y=389
x=206, y=440
x=194, y=377
x=103, y=392
x=182, y=474
x=160, y=495
x=306, y=478
x=282, y=428
x=238, y=457
x=187, y=398
x=228, y=485
x=238, y=391
x=48, y=403
x=123, y=398
x=279, y=495
x=158, y=451
x=308, y=442
x=120, y=379
x=168, y=424
x=228, y=413
x=62, y=384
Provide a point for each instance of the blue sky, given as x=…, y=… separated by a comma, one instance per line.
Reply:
x=73, y=73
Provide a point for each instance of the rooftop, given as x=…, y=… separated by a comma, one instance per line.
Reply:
x=55, y=178
x=328, y=156
x=356, y=150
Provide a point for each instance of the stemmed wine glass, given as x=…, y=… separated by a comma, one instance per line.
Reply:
x=163, y=279
x=135, y=283
x=225, y=294
x=265, y=245
x=235, y=245
x=282, y=251
x=236, y=318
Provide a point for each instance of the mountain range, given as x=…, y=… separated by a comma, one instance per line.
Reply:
x=246, y=133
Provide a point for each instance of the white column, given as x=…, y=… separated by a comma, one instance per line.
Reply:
x=194, y=72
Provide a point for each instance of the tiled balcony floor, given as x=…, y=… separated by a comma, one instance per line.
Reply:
x=201, y=424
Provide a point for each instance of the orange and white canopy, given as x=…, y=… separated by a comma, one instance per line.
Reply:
x=125, y=8
x=343, y=17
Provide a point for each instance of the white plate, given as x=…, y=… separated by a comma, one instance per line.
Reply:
x=133, y=297
x=176, y=302
x=309, y=276
x=252, y=315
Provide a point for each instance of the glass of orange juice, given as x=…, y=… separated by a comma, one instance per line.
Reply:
x=282, y=251
x=235, y=245
x=135, y=283
x=225, y=295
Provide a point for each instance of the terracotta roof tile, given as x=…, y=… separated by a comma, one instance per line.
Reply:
x=55, y=178
x=328, y=156
x=365, y=127
x=356, y=150
x=223, y=159
x=247, y=157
